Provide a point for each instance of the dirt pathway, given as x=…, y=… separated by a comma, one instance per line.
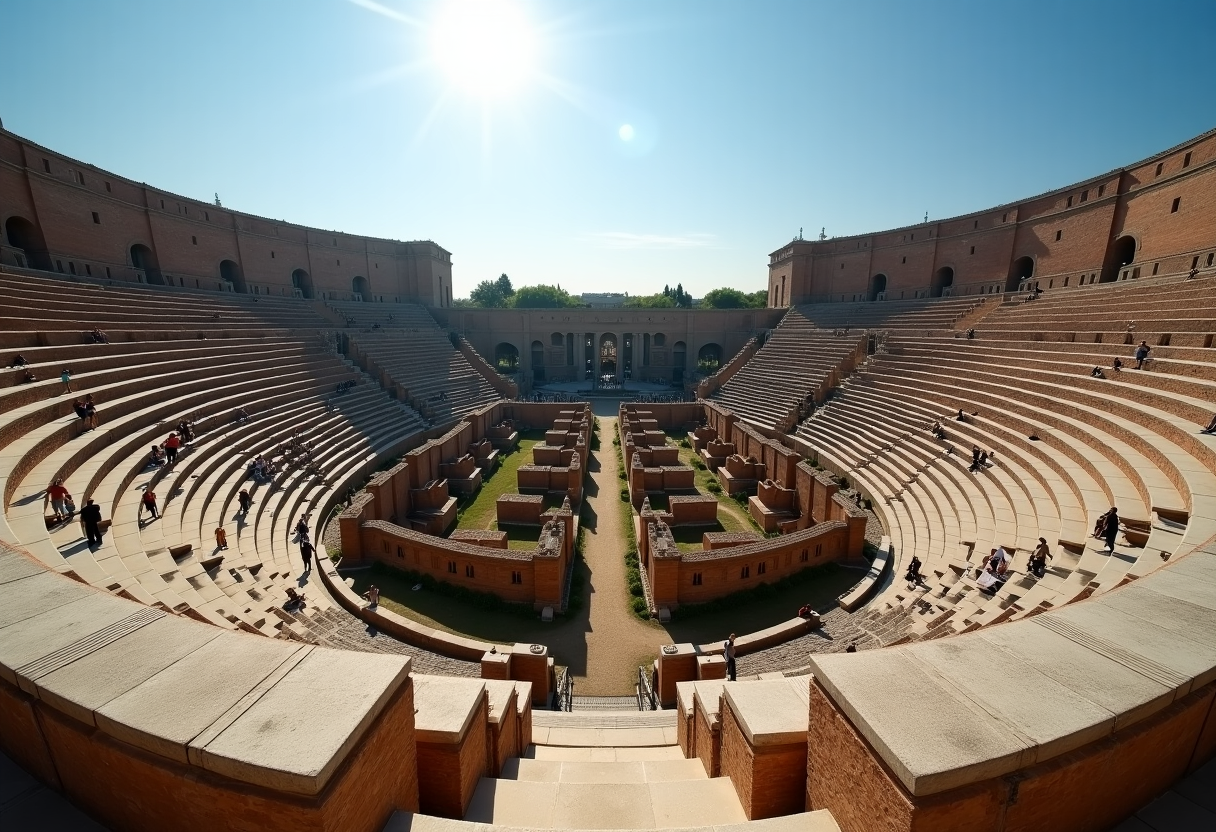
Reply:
x=616, y=642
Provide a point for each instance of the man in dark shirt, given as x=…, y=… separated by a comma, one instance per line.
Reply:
x=90, y=521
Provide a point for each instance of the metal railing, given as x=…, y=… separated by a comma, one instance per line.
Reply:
x=564, y=697
x=647, y=701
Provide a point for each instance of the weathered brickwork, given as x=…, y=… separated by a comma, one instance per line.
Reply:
x=1165, y=206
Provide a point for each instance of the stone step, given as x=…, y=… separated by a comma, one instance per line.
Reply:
x=602, y=754
x=548, y=805
x=637, y=771
x=817, y=821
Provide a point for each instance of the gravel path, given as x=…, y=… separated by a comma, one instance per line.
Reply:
x=614, y=640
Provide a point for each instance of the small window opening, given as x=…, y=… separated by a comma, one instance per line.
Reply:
x=1174, y=206
x=1059, y=234
x=1186, y=160
x=96, y=218
x=1069, y=202
x=46, y=165
x=973, y=249
x=1160, y=166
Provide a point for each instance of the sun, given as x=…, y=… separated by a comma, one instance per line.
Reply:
x=485, y=47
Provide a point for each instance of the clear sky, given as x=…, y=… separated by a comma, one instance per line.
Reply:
x=607, y=146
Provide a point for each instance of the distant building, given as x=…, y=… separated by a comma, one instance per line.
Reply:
x=604, y=300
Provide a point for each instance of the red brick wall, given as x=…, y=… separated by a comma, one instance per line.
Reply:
x=1135, y=201
x=190, y=237
x=1088, y=790
x=448, y=773
x=131, y=789
x=770, y=780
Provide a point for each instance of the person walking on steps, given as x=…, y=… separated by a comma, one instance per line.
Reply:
x=1111, y=530
x=90, y=522
x=148, y=502
x=65, y=375
x=306, y=554
x=1142, y=354
x=728, y=652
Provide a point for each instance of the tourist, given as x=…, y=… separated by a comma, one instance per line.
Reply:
x=148, y=503
x=852, y=648
x=90, y=522
x=156, y=457
x=186, y=431
x=18, y=361
x=913, y=573
x=1038, y=558
x=244, y=500
x=1141, y=354
x=172, y=443
x=65, y=375
x=81, y=413
x=99, y=337
x=306, y=551
x=90, y=413
x=1193, y=273
x=1100, y=525
x=60, y=499
x=221, y=538
x=28, y=377
x=239, y=416
x=805, y=611
x=1110, y=530
x=971, y=334
x=728, y=652
x=302, y=527
x=975, y=458
x=1096, y=372
x=960, y=417
x=1117, y=364
x=1211, y=428
x=373, y=596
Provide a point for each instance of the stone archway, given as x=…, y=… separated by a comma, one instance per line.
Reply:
x=506, y=358
x=709, y=359
x=23, y=234
x=360, y=286
x=878, y=285
x=943, y=279
x=1122, y=252
x=608, y=355
x=144, y=259
x=1022, y=269
x=302, y=281
x=231, y=271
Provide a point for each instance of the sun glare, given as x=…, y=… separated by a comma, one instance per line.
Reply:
x=486, y=47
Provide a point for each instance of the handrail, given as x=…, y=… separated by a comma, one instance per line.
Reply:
x=565, y=691
x=645, y=693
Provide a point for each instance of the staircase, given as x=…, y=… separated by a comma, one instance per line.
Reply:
x=606, y=770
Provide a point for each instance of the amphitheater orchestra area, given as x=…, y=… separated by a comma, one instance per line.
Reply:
x=1011, y=454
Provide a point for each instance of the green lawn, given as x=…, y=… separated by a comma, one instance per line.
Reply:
x=480, y=512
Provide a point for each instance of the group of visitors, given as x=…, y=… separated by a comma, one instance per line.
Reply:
x=262, y=469
x=1107, y=528
x=980, y=459
x=86, y=411
x=1141, y=355
x=63, y=506
x=97, y=337
x=913, y=575
x=938, y=431
x=345, y=386
x=166, y=452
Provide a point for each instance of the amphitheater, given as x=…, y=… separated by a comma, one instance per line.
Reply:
x=157, y=681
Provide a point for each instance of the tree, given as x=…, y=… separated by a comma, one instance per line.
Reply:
x=728, y=298
x=493, y=294
x=678, y=296
x=659, y=301
x=543, y=297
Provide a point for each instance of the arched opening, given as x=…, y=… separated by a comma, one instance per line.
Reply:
x=709, y=359
x=506, y=358
x=608, y=355
x=360, y=287
x=555, y=338
x=538, y=362
x=26, y=236
x=679, y=358
x=230, y=271
x=878, y=285
x=943, y=279
x=1121, y=253
x=302, y=281
x=1022, y=269
x=143, y=259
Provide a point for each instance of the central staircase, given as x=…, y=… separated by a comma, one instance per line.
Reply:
x=606, y=770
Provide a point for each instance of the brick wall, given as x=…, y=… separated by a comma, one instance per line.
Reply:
x=982, y=248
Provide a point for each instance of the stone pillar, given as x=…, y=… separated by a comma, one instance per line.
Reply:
x=677, y=663
x=531, y=663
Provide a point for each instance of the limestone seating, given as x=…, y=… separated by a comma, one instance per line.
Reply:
x=425, y=364
x=926, y=313
x=90, y=663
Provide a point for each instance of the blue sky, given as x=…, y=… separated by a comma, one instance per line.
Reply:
x=750, y=119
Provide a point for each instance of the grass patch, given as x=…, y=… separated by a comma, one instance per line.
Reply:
x=480, y=511
x=763, y=605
